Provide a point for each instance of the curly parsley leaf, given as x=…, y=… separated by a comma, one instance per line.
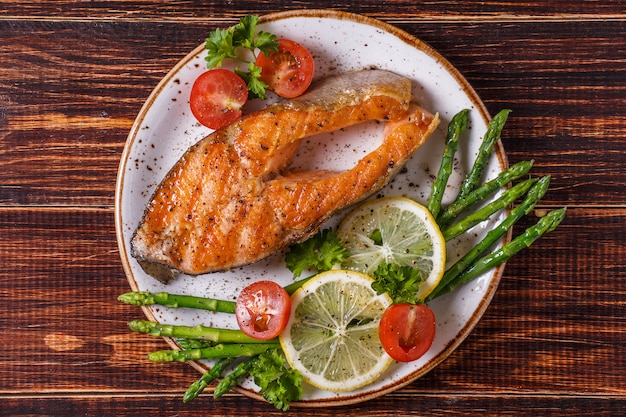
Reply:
x=222, y=44
x=322, y=252
x=266, y=43
x=279, y=384
x=219, y=46
x=401, y=283
x=243, y=32
x=256, y=87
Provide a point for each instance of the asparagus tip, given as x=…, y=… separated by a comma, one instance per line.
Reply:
x=140, y=326
x=555, y=217
x=136, y=298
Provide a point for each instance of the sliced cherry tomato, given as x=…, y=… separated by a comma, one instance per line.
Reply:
x=217, y=97
x=407, y=331
x=289, y=71
x=263, y=309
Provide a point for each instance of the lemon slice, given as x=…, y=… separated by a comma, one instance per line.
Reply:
x=394, y=230
x=332, y=335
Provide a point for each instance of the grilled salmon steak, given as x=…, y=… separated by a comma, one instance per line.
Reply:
x=229, y=200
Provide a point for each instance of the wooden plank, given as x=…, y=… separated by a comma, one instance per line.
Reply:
x=559, y=308
x=65, y=332
x=567, y=99
x=68, y=113
x=66, y=329
x=428, y=405
x=70, y=94
x=216, y=9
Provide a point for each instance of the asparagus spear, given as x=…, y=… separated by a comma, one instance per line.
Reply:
x=293, y=287
x=514, y=172
x=198, y=386
x=534, y=195
x=494, y=129
x=232, y=350
x=507, y=198
x=457, y=126
x=229, y=381
x=545, y=225
x=194, y=343
x=145, y=298
x=199, y=331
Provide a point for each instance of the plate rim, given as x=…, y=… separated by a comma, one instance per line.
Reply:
x=412, y=41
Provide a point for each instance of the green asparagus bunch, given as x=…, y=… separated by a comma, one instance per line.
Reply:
x=471, y=193
x=452, y=273
x=223, y=345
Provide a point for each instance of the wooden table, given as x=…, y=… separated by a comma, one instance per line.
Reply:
x=73, y=76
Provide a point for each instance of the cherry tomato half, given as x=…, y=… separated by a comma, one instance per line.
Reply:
x=263, y=310
x=407, y=331
x=217, y=96
x=289, y=71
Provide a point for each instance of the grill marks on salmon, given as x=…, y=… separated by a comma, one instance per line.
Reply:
x=229, y=202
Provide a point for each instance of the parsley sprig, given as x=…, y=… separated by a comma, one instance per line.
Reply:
x=278, y=382
x=231, y=43
x=402, y=283
x=321, y=252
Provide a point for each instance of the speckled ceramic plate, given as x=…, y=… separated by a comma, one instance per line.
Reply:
x=339, y=41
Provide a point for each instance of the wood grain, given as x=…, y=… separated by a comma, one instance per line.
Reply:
x=390, y=406
x=73, y=76
x=216, y=10
x=566, y=95
x=560, y=328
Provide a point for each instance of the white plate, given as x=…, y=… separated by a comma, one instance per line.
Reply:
x=339, y=41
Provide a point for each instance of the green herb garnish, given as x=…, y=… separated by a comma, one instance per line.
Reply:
x=232, y=43
x=401, y=283
x=323, y=251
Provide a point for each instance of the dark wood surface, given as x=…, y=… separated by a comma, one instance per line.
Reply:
x=73, y=76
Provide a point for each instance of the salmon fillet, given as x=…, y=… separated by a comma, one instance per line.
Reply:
x=228, y=201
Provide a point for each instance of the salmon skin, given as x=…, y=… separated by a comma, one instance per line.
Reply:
x=229, y=202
